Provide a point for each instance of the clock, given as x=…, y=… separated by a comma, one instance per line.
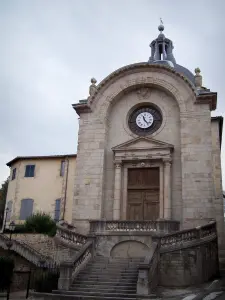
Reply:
x=145, y=120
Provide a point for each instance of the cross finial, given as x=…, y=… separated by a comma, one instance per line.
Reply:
x=161, y=26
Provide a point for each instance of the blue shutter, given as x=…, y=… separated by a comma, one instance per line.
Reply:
x=26, y=209
x=26, y=171
x=14, y=174
x=29, y=172
x=32, y=167
x=57, y=209
x=62, y=169
x=9, y=206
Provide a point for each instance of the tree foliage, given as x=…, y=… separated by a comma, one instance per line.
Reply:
x=3, y=195
x=41, y=223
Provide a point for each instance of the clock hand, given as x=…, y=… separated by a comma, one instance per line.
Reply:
x=145, y=120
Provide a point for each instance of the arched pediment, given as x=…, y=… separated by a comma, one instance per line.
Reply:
x=134, y=76
x=138, y=67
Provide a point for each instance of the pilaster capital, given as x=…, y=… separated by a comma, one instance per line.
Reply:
x=117, y=164
x=167, y=161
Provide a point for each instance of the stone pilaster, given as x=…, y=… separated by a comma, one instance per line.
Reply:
x=117, y=191
x=167, y=189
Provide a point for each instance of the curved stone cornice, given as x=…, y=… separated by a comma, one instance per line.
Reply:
x=144, y=66
x=140, y=80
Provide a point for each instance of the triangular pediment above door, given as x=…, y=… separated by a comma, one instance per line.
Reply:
x=143, y=143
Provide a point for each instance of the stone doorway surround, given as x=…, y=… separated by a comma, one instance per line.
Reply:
x=142, y=152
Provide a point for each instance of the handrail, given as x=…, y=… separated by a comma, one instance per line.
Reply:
x=80, y=257
x=184, y=237
x=25, y=251
x=148, y=274
x=69, y=237
x=70, y=269
x=105, y=226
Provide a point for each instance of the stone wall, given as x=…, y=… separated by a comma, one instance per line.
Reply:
x=192, y=182
x=46, y=245
x=169, y=132
x=122, y=245
x=21, y=269
x=217, y=180
x=189, y=266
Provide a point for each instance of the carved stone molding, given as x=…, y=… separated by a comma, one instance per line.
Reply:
x=144, y=93
x=167, y=160
x=118, y=165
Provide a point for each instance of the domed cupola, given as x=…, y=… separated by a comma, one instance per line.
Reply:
x=162, y=49
x=162, y=53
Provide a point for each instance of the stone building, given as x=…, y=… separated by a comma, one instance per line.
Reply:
x=148, y=165
x=40, y=184
x=148, y=147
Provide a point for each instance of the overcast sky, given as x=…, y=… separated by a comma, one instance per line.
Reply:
x=51, y=48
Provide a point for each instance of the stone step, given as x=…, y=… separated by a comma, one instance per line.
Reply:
x=99, y=294
x=105, y=290
x=97, y=297
x=106, y=271
x=110, y=276
x=100, y=258
x=109, y=273
x=113, y=268
x=109, y=279
x=105, y=283
x=119, y=266
x=115, y=263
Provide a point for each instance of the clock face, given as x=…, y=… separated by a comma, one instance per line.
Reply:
x=145, y=120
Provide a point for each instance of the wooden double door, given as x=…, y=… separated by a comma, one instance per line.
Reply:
x=143, y=194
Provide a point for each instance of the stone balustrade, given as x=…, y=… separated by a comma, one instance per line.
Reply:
x=69, y=237
x=148, y=275
x=163, y=226
x=25, y=251
x=70, y=269
x=181, y=238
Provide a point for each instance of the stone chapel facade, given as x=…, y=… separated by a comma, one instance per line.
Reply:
x=148, y=147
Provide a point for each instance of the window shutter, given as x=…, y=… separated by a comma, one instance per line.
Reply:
x=9, y=206
x=14, y=173
x=26, y=171
x=29, y=172
x=32, y=170
x=26, y=209
x=62, y=169
x=57, y=209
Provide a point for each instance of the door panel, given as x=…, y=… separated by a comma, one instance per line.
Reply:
x=151, y=211
x=143, y=194
x=151, y=204
x=135, y=205
x=143, y=177
x=135, y=211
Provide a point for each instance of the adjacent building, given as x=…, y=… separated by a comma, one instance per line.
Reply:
x=41, y=184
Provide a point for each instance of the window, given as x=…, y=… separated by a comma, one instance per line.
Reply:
x=62, y=169
x=29, y=172
x=8, y=211
x=26, y=208
x=57, y=209
x=13, y=173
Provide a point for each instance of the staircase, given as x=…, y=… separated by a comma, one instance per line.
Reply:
x=106, y=278
x=24, y=250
